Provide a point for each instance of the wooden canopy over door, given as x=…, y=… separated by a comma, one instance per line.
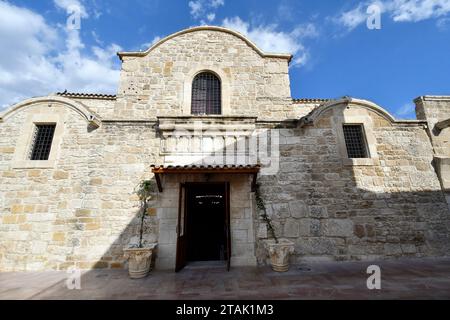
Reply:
x=158, y=171
x=181, y=258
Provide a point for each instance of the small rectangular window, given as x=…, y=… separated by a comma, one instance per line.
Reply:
x=42, y=141
x=355, y=141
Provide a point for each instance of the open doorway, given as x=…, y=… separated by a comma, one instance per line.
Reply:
x=203, y=233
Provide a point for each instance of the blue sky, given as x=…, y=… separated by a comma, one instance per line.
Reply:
x=336, y=54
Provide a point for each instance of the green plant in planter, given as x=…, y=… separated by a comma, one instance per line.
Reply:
x=279, y=250
x=264, y=216
x=145, y=190
x=139, y=257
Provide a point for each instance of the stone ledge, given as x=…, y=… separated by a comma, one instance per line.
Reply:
x=432, y=98
x=34, y=164
x=361, y=162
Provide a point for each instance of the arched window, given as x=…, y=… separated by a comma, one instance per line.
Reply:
x=206, y=94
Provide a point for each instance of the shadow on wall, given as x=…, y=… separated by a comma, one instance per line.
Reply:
x=330, y=210
x=341, y=212
x=130, y=237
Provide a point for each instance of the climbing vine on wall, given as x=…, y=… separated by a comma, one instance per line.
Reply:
x=264, y=216
x=144, y=191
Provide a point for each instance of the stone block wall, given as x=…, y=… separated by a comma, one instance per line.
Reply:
x=436, y=110
x=82, y=211
x=80, y=208
x=158, y=84
x=331, y=209
x=103, y=108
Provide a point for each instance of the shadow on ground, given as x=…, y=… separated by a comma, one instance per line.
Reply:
x=427, y=278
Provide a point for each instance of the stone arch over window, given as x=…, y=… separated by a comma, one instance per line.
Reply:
x=225, y=79
x=54, y=101
x=206, y=97
x=50, y=110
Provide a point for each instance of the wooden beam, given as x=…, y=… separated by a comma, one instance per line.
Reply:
x=180, y=170
x=255, y=176
x=203, y=171
x=158, y=182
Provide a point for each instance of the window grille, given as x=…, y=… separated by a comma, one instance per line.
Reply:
x=42, y=141
x=206, y=94
x=355, y=141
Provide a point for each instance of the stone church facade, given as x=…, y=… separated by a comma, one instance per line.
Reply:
x=208, y=118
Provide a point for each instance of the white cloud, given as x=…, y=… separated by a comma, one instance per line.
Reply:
x=205, y=10
x=308, y=30
x=148, y=45
x=210, y=17
x=196, y=8
x=443, y=24
x=285, y=12
x=398, y=10
x=407, y=111
x=353, y=18
x=71, y=6
x=269, y=39
x=418, y=10
x=217, y=3
x=96, y=37
x=36, y=63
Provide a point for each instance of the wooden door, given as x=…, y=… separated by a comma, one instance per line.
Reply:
x=227, y=224
x=181, y=260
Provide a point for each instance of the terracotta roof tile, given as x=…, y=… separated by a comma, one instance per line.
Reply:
x=299, y=101
x=202, y=167
x=86, y=95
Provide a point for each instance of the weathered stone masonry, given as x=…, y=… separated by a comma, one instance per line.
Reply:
x=79, y=208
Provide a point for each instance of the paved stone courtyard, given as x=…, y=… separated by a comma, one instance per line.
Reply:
x=401, y=279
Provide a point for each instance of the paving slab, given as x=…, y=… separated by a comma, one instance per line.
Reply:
x=400, y=279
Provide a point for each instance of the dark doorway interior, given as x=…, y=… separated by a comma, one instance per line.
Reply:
x=206, y=224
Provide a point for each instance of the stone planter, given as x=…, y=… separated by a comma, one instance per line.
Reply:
x=139, y=261
x=279, y=253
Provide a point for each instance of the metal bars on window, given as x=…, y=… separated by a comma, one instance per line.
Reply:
x=206, y=94
x=42, y=141
x=355, y=141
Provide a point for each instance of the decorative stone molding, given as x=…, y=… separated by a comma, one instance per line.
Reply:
x=205, y=139
x=279, y=253
x=94, y=121
x=316, y=114
x=139, y=261
x=207, y=28
x=79, y=108
x=167, y=125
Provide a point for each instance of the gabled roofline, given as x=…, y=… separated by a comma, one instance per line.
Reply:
x=312, y=117
x=207, y=28
x=90, y=117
